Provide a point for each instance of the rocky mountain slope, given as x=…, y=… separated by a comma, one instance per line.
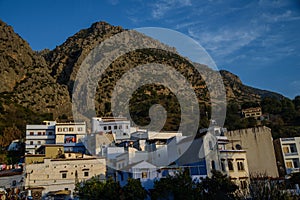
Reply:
x=42, y=82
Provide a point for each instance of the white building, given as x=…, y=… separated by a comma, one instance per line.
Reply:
x=144, y=171
x=120, y=126
x=288, y=154
x=37, y=135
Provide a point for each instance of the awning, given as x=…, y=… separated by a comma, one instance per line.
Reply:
x=59, y=192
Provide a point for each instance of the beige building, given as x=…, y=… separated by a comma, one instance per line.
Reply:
x=252, y=112
x=70, y=132
x=54, y=171
x=234, y=162
x=258, y=143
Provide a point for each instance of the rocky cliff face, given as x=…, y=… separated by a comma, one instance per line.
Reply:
x=237, y=91
x=43, y=81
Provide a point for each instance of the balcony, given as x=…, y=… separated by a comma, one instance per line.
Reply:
x=287, y=141
x=40, y=137
x=291, y=154
x=32, y=146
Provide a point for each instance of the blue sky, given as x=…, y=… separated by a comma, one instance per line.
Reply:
x=257, y=40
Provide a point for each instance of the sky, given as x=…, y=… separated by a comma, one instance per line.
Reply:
x=258, y=40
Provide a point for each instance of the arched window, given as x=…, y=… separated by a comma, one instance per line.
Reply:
x=223, y=165
x=213, y=165
x=240, y=165
x=230, y=165
x=210, y=145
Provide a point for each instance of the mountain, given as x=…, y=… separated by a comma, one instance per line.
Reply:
x=237, y=91
x=40, y=83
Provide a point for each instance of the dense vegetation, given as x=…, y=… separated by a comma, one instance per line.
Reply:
x=13, y=120
x=182, y=186
x=281, y=115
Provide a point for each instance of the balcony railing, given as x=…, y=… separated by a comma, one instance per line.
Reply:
x=40, y=137
x=291, y=154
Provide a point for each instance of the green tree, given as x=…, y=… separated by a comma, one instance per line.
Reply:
x=296, y=102
x=288, y=111
x=218, y=187
x=94, y=189
x=134, y=190
x=262, y=187
x=181, y=186
x=271, y=105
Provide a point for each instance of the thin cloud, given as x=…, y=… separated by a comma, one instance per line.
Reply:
x=288, y=15
x=113, y=2
x=160, y=8
x=224, y=41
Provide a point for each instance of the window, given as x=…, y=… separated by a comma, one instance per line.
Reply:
x=39, y=142
x=39, y=133
x=238, y=147
x=14, y=183
x=64, y=175
x=240, y=165
x=59, y=129
x=109, y=127
x=115, y=127
x=105, y=128
x=243, y=184
x=210, y=145
x=86, y=174
x=65, y=129
x=79, y=129
x=289, y=164
x=31, y=133
x=44, y=133
x=50, y=133
x=230, y=165
x=285, y=149
x=213, y=165
x=127, y=127
x=31, y=142
x=144, y=174
x=223, y=165
x=293, y=148
x=296, y=162
x=71, y=129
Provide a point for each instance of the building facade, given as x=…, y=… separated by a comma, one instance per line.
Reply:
x=234, y=162
x=252, y=112
x=258, y=143
x=55, y=170
x=287, y=154
x=70, y=132
x=120, y=126
x=37, y=135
